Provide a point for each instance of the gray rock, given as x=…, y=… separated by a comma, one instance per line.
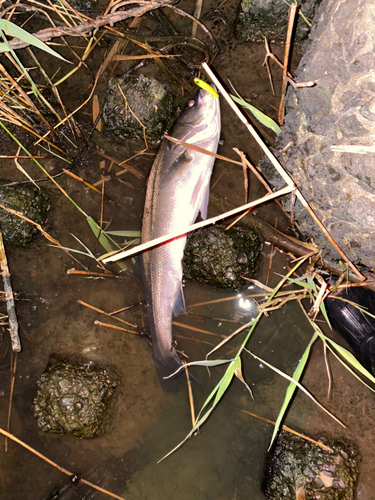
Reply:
x=339, y=110
x=73, y=398
x=269, y=18
x=152, y=102
x=298, y=468
x=31, y=203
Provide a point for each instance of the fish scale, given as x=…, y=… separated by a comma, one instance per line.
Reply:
x=177, y=190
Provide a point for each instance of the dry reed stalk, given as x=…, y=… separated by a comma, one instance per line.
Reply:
x=44, y=233
x=91, y=274
x=194, y=329
x=114, y=327
x=105, y=313
x=288, y=429
x=293, y=9
x=280, y=169
x=54, y=464
x=190, y=393
x=162, y=239
x=79, y=179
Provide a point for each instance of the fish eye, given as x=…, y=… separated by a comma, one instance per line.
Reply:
x=190, y=104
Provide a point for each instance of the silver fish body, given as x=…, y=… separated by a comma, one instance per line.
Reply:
x=177, y=190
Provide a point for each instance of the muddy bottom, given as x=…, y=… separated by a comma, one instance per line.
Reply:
x=226, y=459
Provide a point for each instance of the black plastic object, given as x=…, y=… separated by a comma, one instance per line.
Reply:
x=355, y=326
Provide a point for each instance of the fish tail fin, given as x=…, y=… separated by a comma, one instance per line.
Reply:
x=165, y=366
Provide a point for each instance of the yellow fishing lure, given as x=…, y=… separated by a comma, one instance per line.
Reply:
x=205, y=86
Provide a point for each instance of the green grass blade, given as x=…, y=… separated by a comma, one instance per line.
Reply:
x=352, y=360
x=14, y=30
x=226, y=380
x=261, y=117
x=103, y=239
x=125, y=234
x=292, y=387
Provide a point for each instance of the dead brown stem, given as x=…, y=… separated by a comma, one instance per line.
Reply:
x=293, y=9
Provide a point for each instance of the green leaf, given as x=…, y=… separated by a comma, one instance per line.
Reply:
x=14, y=30
x=292, y=387
x=261, y=117
x=225, y=381
x=348, y=356
x=125, y=234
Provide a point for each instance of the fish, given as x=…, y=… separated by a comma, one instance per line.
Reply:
x=355, y=326
x=177, y=190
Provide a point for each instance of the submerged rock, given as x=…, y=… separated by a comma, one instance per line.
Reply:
x=30, y=202
x=300, y=469
x=73, y=398
x=152, y=102
x=266, y=18
x=221, y=258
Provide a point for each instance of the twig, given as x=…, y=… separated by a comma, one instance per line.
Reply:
x=288, y=429
x=12, y=380
x=61, y=469
x=91, y=274
x=9, y=298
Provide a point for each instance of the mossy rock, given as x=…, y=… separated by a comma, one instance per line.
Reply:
x=152, y=102
x=266, y=18
x=31, y=203
x=74, y=398
x=300, y=469
x=221, y=258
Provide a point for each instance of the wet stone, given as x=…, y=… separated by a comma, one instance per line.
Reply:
x=221, y=258
x=300, y=469
x=74, y=397
x=30, y=202
x=266, y=18
x=152, y=102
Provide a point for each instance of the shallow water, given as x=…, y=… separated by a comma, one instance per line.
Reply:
x=226, y=459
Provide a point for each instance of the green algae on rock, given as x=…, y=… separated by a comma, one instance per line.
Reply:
x=73, y=398
x=30, y=202
x=152, y=102
x=221, y=258
x=300, y=469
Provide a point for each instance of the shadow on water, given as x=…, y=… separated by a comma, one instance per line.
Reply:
x=226, y=460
